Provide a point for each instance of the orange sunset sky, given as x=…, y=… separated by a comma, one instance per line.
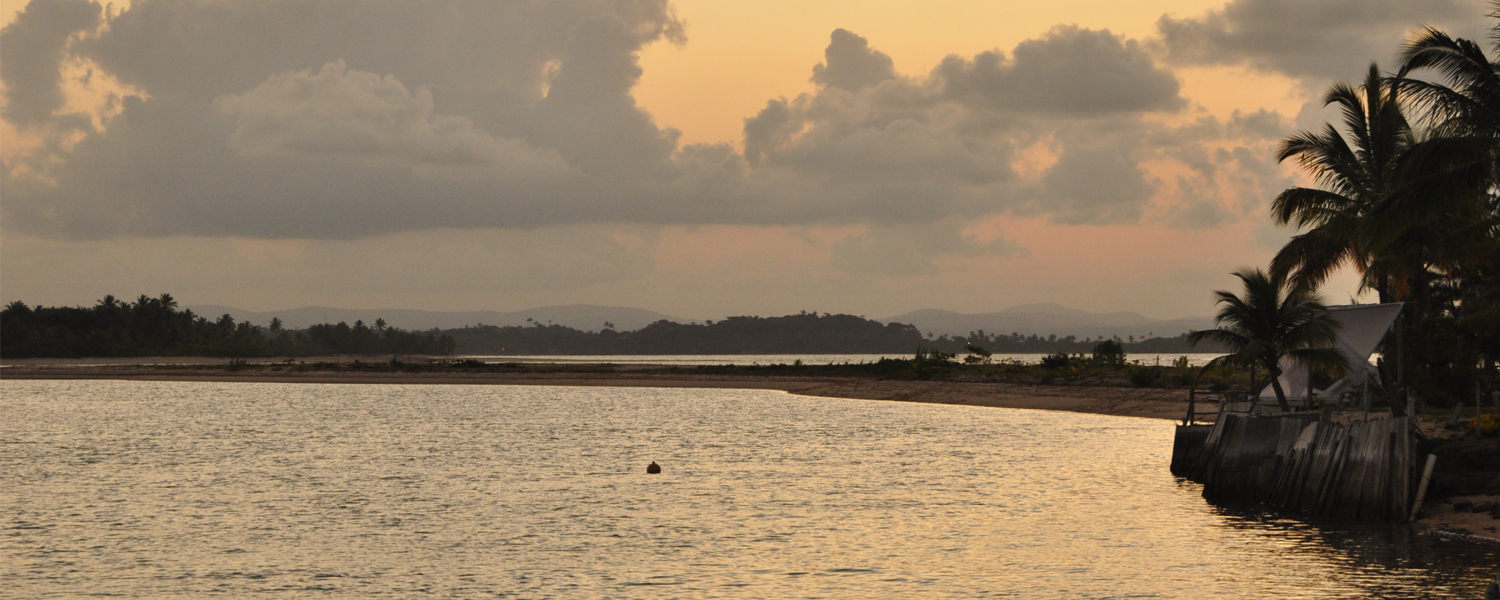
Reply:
x=697, y=158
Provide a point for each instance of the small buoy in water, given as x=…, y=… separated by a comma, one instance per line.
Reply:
x=653, y=468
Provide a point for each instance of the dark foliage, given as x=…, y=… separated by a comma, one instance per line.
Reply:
x=1110, y=352
x=1016, y=343
x=1059, y=360
x=155, y=327
x=805, y=333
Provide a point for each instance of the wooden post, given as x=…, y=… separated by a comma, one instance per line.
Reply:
x=1192, y=396
x=1401, y=348
x=1365, y=397
x=1422, y=487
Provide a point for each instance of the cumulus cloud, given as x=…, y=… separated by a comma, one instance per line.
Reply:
x=1094, y=186
x=339, y=111
x=852, y=63
x=34, y=46
x=366, y=120
x=949, y=144
x=1321, y=40
x=1070, y=70
x=913, y=250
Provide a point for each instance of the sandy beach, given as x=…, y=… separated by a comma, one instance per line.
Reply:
x=1153, y=403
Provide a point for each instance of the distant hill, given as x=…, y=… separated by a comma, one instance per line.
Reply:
x=1048, y=319
x=586, y=317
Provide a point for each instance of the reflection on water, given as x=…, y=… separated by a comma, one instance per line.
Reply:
x=184, y=489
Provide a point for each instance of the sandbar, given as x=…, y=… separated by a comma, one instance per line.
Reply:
x=1154, y=403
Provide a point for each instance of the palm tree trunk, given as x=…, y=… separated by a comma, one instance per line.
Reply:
x=1286, y=407
x=1390, y=354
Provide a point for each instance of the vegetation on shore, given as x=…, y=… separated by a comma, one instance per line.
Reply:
x=1274, y=321
x=1408, y=196
x=155, y=327
x=803, y=333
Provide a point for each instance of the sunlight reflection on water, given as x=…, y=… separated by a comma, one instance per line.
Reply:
x=183, y=489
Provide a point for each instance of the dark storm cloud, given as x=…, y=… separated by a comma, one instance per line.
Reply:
x=340, y=119
x=1321, y=40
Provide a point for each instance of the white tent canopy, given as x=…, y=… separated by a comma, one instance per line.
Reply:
x=1364, y=325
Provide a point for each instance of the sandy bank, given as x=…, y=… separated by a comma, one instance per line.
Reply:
x=1129, y=402
x=1478, y=525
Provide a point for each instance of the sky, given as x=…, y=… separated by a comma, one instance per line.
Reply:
x=698, y=158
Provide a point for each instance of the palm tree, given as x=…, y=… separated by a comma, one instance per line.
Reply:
x=1450, y=207
x=1467, y=106
x=1271, y=321
x=1354, y=178
x=1452, y=175
x=1347, y=220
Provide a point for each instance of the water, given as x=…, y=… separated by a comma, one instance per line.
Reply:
x=688, y=360
x=181, y=490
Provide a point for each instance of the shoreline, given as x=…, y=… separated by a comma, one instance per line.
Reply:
x=1153, y=403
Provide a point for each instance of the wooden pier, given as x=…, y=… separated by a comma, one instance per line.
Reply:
x=1302, y=462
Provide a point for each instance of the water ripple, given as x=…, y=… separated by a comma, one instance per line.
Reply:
x=180, y=490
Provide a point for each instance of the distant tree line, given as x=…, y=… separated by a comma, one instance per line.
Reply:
x=1015, y=343
x=803, y=333
x=155, y=327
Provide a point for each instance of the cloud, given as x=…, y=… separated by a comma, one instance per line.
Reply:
x=34, y=46
x=852, y=63
x=1319, y=40
x=1094, y=186
x=913, y=250
x=1070, y=71
x=367, y=120
x=339, y=111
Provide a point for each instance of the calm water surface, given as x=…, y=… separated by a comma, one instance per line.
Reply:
x=181, y=490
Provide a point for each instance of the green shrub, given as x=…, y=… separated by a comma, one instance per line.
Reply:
x=1183, y=377
x=1144, y=376
x=1110, y=352
x=1061, y=360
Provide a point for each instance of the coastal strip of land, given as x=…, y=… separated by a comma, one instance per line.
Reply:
x=1155, y=403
